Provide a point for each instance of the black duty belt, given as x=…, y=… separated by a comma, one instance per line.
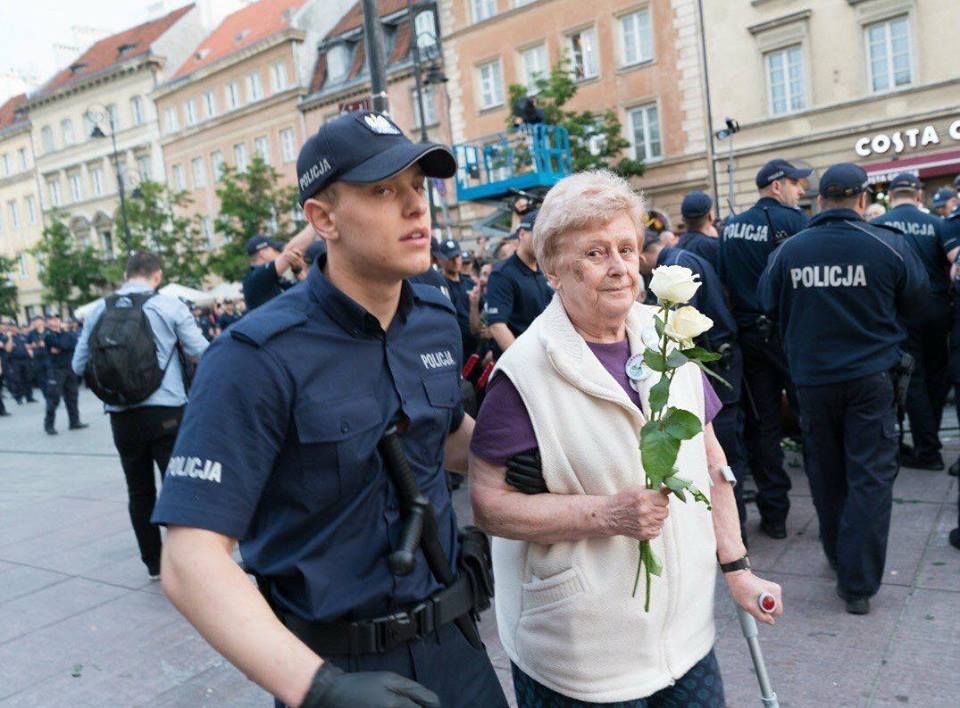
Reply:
x=381, y=634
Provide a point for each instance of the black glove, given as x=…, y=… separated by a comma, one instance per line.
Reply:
x=332, y=688
x=525, y=472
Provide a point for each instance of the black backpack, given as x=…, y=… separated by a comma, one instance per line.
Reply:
x=123, y=367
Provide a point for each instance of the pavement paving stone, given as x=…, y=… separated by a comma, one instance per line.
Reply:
x=19, y=580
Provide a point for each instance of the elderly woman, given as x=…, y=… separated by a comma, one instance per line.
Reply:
x=565, y=559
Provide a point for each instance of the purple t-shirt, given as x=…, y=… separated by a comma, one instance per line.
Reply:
x=503, y=425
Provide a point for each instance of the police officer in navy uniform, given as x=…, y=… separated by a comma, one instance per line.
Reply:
x=746, y=242
x=60, y=381
x=6, y=346
x=458, y=287
x=309, y=384
x=940, y=203
x=38, y=330
x=701, y=236
x=928, y=329
x=710, y=299
x=21, y=367
x=951, y=243
x=839, y=290
x=269, y=262
x=517, y=291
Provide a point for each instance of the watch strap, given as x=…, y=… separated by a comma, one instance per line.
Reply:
x=739, y=564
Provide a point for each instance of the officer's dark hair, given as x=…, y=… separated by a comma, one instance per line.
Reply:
x=695, y=223
x=143, y=264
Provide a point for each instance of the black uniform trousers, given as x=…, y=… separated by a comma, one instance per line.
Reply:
x=445, y=662
x=145, y=436
x=60, y=383
x=927, y=342
x=21, y=379
x=728, y=423
x=3, y=379
x=765, y=378
x=850, y=454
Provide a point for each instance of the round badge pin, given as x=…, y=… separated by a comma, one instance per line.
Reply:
x=649, y=337
x=636, y=369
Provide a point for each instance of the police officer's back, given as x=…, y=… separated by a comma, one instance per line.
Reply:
x=838, y=290
x=60, y=381
x=700, y=236
x=309, y=385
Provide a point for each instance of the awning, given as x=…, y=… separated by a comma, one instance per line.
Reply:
x=923, y=166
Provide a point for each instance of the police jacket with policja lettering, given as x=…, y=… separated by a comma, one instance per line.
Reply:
x=924, y=233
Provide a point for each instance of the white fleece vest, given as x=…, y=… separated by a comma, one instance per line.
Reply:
x=565, y=612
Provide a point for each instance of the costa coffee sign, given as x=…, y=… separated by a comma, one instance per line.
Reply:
x=896, y=143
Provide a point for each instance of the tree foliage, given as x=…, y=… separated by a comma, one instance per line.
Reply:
x=596, y=139
x=71, y=273
x=252, y=202
x=8, y=291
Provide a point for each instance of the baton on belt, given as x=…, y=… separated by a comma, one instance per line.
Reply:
x=419, y=528
x=748, y=624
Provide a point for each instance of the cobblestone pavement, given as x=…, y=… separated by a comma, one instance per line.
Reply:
x=81, y=625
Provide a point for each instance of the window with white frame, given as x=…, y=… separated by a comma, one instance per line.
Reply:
x=207, y=231
x=66, y=128
x=53, y=187
x=46, y=138
x=96, y=179
x=144, y=167
x=14, y=214
x=113, y=115
x=254, y=88
x=645, y=133
x=216, y=165
x=179, y=181
x=278, y=76
x=785, y=80
x=199, y=173
x=425, y=25
x=76, y=190
x=583, y=54
x=210, y=104
x=262, y=147
x=288, y=147
x=136, y=110
x=170, y=122
x=429, y=107
x=636, y=38
x=533, y=64
x=889, y=54
x=240, y=156
x=22, y=159
x=22, y=261
x=233, y=95
x=521, y=3
x=190, y=112
x=5, y=165
x=483, y=9
x=31, y=210
x=338, y=62
x=491, y=84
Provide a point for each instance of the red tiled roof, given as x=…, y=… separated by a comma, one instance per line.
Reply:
x=354, y=18
x=134, y=42
x=243, y=28
x=8, y=111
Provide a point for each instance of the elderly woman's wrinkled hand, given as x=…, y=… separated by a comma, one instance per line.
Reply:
x=745, y=588
x=638, y=512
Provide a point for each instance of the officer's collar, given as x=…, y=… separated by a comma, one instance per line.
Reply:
x=835, y=215
x=345, y=311
x=524, y=268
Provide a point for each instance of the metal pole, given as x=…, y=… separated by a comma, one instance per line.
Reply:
x=749, y=626
x=706, y=85
x=373, y=34
x=730, y=173
x=424, y=137
x=123, y=201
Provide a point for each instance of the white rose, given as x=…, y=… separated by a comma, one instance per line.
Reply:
x=686, y=324
x=674, y=284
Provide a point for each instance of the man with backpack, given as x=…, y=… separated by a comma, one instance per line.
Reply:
x=130, y=356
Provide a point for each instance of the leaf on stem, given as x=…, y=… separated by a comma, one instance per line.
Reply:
x=700, y=354
x=681, y=424
x=678, y=485
x=659, y=393
x=658, y=325
x=652, y=562
x=659, y=453
x=676, y=359
x=654, y=360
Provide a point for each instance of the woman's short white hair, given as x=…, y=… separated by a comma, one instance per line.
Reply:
x=585, y=199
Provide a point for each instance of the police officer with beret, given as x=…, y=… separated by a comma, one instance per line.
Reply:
x=745, y=244
x=459, y=286
x=517, y=291
x=839, y=290
x=701, y=236
x=927, y=330
x=330, y=387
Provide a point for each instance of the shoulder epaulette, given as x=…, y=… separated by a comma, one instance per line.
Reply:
x=430, y=295
x=261, y=326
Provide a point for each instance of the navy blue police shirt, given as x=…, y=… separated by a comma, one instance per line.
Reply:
x=433, y=277
x=460, y=297
x=20, y=351
x=516, y=295
x=709, y=297
x=261, y=284
x=39, y=347
x=704, y=246
x=924, y=233
x=65, y=343
x=746, y=242
x=837, y=290
x=278, y=445
x=951, y=230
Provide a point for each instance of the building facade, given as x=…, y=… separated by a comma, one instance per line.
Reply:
x=867, y=81
x=236, y=96
x=102, y=98
x=21, y=219
x=639, y=58
x=341, y=81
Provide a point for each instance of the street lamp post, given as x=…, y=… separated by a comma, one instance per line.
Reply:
x=96, y=116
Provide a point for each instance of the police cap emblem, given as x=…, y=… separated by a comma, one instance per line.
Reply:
x=380, y=124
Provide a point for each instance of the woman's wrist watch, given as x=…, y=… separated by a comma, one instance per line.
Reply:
x=742, y=563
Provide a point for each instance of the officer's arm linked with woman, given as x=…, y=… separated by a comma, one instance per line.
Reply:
x=566, y=559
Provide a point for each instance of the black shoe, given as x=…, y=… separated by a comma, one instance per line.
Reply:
x=955, y=538
x=934, y=463
x=78, y=426
x=856, y=604
x=774, y=529
x=50, y=430
x=954, y=470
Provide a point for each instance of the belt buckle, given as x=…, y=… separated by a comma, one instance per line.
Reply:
x=393, y=630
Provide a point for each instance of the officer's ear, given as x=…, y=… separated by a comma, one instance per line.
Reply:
x=319, y=211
